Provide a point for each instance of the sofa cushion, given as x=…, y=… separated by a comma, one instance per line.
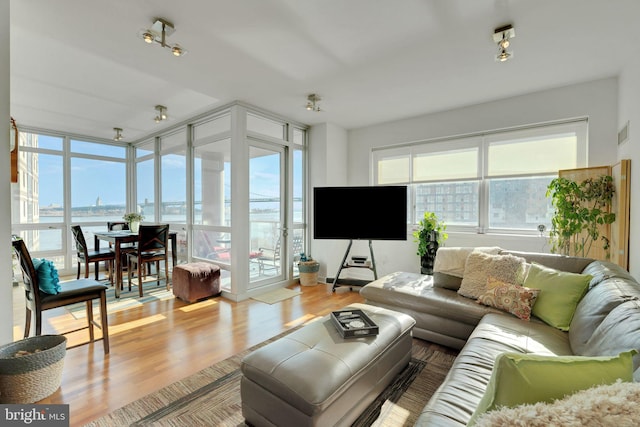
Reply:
x=559, y=262
x=619, y=331
x=446, y=281
x=560, y=293
x=507, y=268
x=514, y=299
x=529, y=378
x=416, y=292
x=596, y=305
x=603, y=270
x=463, y=388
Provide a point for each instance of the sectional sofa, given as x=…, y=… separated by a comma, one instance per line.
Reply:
x=586, y=308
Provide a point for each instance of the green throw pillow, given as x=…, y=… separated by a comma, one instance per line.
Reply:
x=560, y=293
x=48, y=280
x=519, y=379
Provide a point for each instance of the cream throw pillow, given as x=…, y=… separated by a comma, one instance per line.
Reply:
x=479, y=266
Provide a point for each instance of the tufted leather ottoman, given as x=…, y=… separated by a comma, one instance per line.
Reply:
x=196, y=280
x=314, y=377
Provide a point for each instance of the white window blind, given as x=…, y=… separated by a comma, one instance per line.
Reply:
x=488, y=181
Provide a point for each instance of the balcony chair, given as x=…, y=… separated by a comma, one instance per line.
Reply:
x=151, y=247
x=87, y=257
x=74, y=291
x=269, y=258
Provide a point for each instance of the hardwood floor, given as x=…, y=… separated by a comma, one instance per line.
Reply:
x=164, y=341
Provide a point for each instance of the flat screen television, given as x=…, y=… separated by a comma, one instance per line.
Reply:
x=364, y=213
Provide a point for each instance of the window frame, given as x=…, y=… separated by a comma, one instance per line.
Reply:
x=483, y=141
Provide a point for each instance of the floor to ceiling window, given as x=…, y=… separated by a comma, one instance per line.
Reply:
x=186, y=176
x=145, y=180
x=172, y=207
x=212, y=193
x=63, y=182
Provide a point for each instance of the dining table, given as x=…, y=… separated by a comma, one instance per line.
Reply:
x=119, y=237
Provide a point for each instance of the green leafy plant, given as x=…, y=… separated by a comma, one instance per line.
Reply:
x=430, y=234
x=581, y=209
x=133, y=216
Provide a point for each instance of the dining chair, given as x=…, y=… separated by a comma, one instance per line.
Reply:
x=125, y=247
x=74, y=291
x=87, y=256
x=151, y=247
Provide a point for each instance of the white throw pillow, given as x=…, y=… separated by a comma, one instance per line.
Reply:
x=479, y=266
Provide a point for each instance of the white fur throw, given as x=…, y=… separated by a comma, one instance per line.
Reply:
x=506, y=268
x=614, y=405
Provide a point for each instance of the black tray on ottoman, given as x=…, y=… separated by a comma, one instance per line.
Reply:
x=354, y=323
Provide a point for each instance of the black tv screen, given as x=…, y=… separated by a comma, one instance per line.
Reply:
x=365, y=213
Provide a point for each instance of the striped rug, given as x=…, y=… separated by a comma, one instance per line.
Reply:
x=211, y=397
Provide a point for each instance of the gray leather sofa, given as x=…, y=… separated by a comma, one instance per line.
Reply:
x=606, y=322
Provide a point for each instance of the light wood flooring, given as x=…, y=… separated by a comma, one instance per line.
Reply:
x=162, y=342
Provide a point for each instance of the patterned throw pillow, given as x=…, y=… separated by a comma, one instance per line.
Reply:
x=511, y=298
x=479, y=266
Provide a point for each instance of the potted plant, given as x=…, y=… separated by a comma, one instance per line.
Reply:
x=581, y=210
x=430, y=235
x=133, y=219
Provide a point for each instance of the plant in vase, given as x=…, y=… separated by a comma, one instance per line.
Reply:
x=133, y=219
x=429, y=236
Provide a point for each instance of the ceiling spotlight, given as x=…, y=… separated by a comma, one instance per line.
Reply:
x=177, y=50
x=313, y=103
x=118, y=136
x=161, y=113
x=148, y=36
x=158, y=33
x=502, y=37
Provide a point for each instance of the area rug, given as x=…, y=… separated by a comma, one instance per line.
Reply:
x=276, y=295
x=211, y=397
x=128, y=299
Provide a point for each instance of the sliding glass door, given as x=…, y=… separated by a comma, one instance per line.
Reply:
x=267, y=226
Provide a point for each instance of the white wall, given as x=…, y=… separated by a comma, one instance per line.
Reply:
x=327, y=167
x=629, y=110
x=6, y=291
x=597, y=100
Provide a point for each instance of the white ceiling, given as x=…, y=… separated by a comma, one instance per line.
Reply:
x=80, y=66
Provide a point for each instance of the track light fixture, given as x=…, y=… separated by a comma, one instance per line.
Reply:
x=313, y=103
x=161, y=113
x=502, y=37
x=158, y=33
x=118, y=136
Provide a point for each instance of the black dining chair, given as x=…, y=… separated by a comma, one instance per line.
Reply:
x=125, y=247
x=151, y=248
x=87, y=256
x=74, y=291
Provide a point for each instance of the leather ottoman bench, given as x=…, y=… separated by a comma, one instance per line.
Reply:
x=314, y=377
x=195, y=280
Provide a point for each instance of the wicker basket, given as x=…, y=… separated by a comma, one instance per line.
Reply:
x=32, y=377
x=308, y=271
